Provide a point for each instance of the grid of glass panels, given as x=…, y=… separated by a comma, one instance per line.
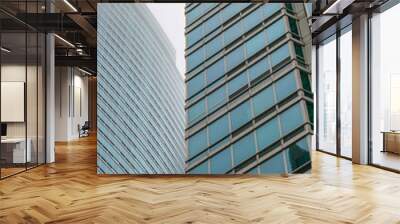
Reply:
x=22, y=80
x=255, y=126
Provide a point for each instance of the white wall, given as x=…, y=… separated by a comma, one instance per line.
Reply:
x=71, y=102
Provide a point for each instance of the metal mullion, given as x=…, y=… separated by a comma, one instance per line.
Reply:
x=316, y=97
x=338, y=72
x=26, y=87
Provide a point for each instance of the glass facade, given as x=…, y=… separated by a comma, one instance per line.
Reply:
x=246, y=92
x=140, y=105
x=22, y=77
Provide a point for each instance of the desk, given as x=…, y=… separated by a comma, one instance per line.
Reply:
x=391, y=141
x=15, y=148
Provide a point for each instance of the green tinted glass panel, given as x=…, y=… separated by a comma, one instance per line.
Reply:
x=293, y=25
x=305, y=80
x=298, y=154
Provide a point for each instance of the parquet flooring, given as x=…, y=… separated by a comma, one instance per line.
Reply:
x=69, y=191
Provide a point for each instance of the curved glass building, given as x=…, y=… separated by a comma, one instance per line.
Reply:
x=140, y=94
x=249, y=102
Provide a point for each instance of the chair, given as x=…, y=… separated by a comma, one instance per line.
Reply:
x=84, y=130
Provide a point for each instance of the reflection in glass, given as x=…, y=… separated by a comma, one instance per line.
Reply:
x=346, y=93
x=327, y=95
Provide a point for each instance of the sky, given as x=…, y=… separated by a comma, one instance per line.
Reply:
x=171, y=17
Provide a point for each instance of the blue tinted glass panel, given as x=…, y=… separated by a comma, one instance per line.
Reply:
x=195, y=35
x=285, y=86
x=217, y=98
x=258, y=69
x=195, y=59
x=218, y=129
x=215, y=71
x=271, y=8
x=195, y=84
x=238, y=82
x=274, y=165
x=234, y=58
x=197, y=143
x=197, y=111
x=291, y=119
x=213, y=22
x=252, y=19
x=219, y=144
x=244, y=149
x=255, y=44
x=267, y=134
x=263, y=101
x=279, y=55
x=232, y=33
x=222, y=162
x=240, y=115
x=232, y=9
x=214, y=45
x=298, y=154
x=275, y=31
x=193, y=14
x=200, y=169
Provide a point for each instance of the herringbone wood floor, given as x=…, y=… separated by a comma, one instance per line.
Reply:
x=69, y=191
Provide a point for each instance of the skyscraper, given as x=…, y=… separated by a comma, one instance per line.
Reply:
x=249, y=102
x=140, y=94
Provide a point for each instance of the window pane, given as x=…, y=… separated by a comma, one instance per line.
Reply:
x=195, y=35
x=197, y=143
x=258, y=69
x=327, y=95
x=232, y=33
x=215, y=71
x=218, y=129
x=252, y=19
x=293, y=26
x=298, y=154
x=216, y=99
x=214, y=46
x=267, y=134
x=244, y=149
x=232, y=9
x=234, y=58
x=200, y=169
x=263, y=101
x=240, y=115
x=291, y=119
x=275, y=31
x=274, y=165
x=279, y=55
x=197, y=111
x=222, y=162
x=285, y=86
x=213, y=22
x=195, y=84
x=195, y=59
x=255, y=44
x=237, y=83
x=271, y=8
